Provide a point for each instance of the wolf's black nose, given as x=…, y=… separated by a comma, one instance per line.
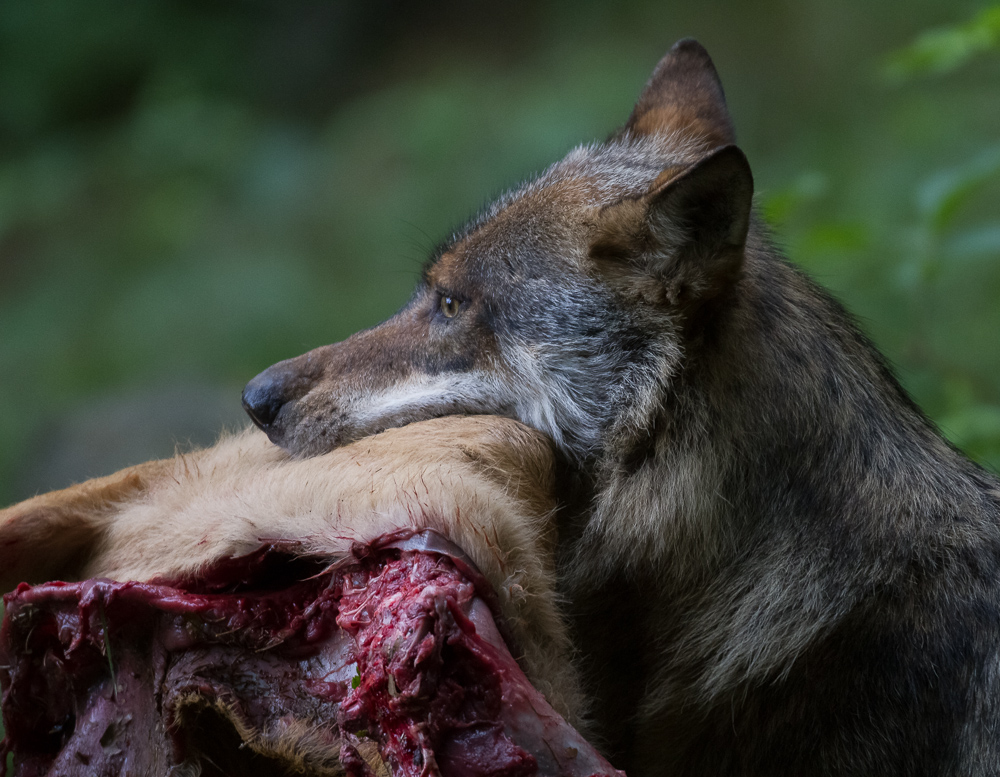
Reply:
x=264, y=396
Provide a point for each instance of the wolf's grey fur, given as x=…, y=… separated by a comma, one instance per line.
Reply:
x=778, y=566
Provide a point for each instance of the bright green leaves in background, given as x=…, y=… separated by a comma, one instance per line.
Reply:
x=924, y=273
x=957, y=235
x=946, y=49
x=957, y=232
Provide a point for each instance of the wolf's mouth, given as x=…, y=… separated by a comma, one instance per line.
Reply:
x=385, y=662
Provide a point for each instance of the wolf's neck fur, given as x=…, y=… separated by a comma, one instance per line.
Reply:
x=789, y=476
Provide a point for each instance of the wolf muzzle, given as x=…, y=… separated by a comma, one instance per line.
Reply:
x=265, y=395
x=276, y=388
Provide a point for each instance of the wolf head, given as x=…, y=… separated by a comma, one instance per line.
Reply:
x=567, y=304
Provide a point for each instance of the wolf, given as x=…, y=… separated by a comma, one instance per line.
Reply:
x=773, y=562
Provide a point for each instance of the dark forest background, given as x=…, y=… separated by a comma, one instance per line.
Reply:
x=190, y=191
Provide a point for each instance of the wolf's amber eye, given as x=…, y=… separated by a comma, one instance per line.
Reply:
x=449, y=306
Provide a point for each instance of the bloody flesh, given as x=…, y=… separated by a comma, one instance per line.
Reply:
x=390, y=658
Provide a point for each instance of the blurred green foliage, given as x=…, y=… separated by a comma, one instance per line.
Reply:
x=938, y=271
x=947, y=48
x=192, y=190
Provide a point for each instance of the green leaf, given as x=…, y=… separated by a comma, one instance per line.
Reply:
x=976, y=243
x=945, y=49
x=944, y=193
x=837, y=237
x=809, y=187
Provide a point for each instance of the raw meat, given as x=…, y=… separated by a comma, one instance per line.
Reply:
x=389, y=661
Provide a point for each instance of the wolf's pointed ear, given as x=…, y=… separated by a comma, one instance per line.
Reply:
x=684, y=95
x=688, y=232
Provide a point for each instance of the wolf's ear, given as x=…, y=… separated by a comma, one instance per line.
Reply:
x=688, y=232
x=684, y=95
